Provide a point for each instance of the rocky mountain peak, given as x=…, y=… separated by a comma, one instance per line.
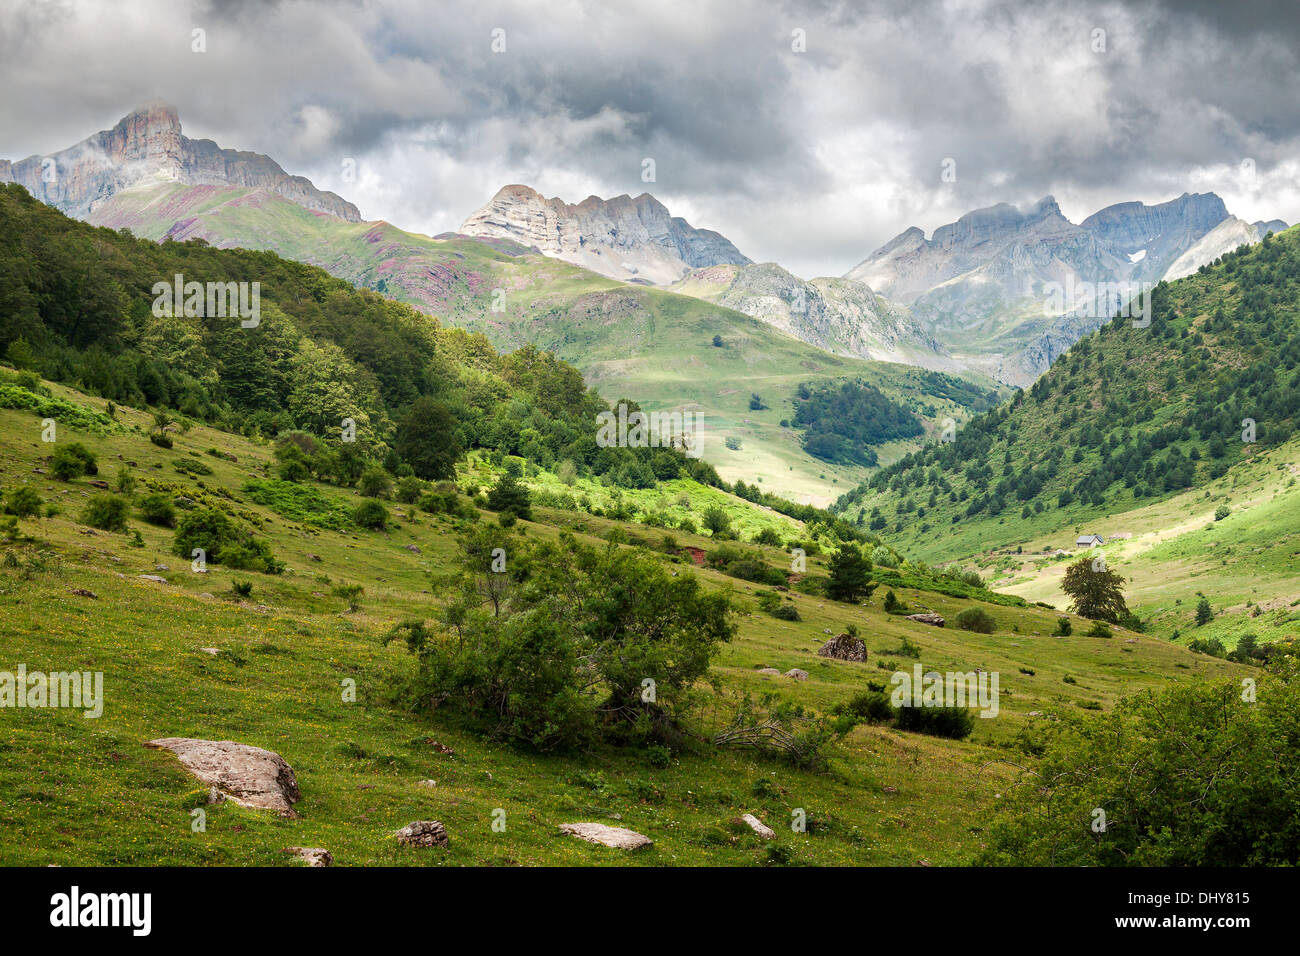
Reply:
x=634, y=239
x=145, y=145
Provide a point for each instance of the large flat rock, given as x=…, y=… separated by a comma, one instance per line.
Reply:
x=617, y=837
x=249, y=776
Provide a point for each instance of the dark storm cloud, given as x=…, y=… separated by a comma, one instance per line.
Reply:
x=812, y=159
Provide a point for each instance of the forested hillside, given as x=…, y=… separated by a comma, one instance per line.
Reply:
x=1128, y=415
x=76, y=306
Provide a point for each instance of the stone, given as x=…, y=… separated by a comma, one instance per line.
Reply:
x=795, y=673
x=98, y=483
x=214, y=651
x=312, y=855
x=154, y=578
x=249, y=776
x=313, y=557
x=758, y=826
x=413, y=549
x=844, y=647
x=427, y=783
x=616, y=837
x=83, y=592
x=423, y=833
x=927, y=617
x=770, y=671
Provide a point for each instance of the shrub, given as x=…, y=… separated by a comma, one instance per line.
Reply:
x=223, y=541
x=371, y=514
x=73, y=461
x=893, y=605
x=785, y=612
x=162, y=441
x=508, y=495
x=871, y=706
x=1099, y=629
x=955, y=723
x=157, y=508
x=1222, y=512
x=976, y=619
x=107, y=512
x=242, y=588
x=375, y=483
x=1063, y=627
x=22, y=502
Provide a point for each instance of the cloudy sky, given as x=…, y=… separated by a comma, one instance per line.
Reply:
x=808, y=133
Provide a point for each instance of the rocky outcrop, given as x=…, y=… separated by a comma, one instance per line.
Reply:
x=839, y=315
x=147, y=145
x=312, y=855
x=1223, y=238
x=758, y=826
x=624, y=237
x=927, y=617
x=616, y=837
x=844, y=647
x=423, y=833
x=249, y=776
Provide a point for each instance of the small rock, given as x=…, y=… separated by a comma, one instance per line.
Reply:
x=82, y=592
x=98, y=483
x=313, y=557
x=427, y=783
x=214, y=651
x=312, y=855
x=161, y=567
x=153, y=577
x=616, y=837
x=929, y=617
x=844, y=647
x=771, y=671
x=413, y=549
x=423, y=833
x=759, y=827
x=795, y=673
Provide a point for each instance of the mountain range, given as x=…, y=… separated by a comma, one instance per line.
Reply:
x=970, y=299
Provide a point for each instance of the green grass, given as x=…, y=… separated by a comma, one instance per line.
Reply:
x=85, y=792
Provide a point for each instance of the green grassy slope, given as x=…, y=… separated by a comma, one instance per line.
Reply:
x=85, y=791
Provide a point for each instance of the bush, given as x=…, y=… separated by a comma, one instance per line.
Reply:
x=508, y=495
x=1199, y=777
x=157, y=508
x=22, y=502
x=1099, y=629
x=893, y=605
x=162, y=441
x=107, y=512
x=375, y=483
x=976, y=619
x=371, y=514
x=1222, y=512
x=871, y=706
x=1063, y=627
x=511, y=660
x=785, y=612
x=73, y=461
x=242, y=588
x=223, y=541
x=955, y=723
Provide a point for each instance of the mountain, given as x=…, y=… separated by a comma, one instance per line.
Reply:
x=627, y=339
x=983, y=285
x=623, y=238
x=147, y=146
x=1223, y=238
x=839, y=315
x=1180, y=441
